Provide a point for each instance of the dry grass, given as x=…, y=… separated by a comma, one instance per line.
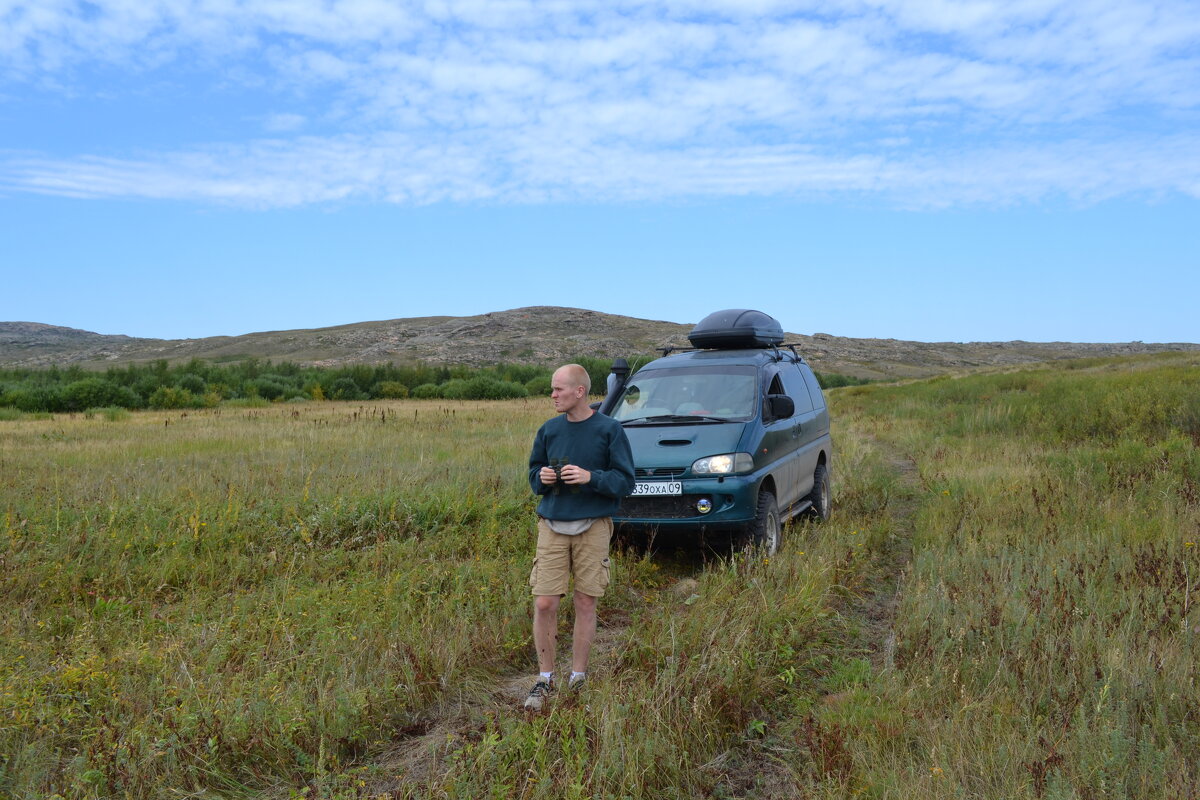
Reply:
x=329, y=600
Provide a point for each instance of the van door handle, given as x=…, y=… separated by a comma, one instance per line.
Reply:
x=796, y=430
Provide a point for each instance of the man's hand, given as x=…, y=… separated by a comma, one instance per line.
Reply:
x=547, y=476
x=575, y=476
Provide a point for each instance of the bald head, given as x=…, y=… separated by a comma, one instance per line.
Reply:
x=573, y=375
x=569, y=390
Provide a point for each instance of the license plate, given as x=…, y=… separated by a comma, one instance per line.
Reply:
x=644, y=488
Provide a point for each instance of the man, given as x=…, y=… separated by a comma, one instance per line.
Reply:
x=581, y=466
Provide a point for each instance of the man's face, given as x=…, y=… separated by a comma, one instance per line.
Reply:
x=565, y=394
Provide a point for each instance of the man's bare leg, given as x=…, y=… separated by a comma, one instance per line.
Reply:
x=585, y=631
x=545, y=629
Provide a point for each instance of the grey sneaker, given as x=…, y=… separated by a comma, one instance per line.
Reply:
x=576, y=681
x=541, y=690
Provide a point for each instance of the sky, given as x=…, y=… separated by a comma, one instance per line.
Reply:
x=975, y=170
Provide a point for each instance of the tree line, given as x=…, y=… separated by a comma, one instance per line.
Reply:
x=206, y=384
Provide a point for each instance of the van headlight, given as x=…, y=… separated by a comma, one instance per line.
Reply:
x=725, y=464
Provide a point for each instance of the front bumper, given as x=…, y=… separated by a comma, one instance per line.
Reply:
x=734, y=501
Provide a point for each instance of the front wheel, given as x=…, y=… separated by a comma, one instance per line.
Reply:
x=765, y=534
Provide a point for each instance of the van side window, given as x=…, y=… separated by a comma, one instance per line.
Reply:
x=793, y=380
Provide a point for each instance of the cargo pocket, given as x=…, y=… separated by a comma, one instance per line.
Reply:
x=533, y=573
x=604, y=568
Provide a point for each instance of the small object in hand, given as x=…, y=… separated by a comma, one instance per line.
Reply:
x=557, y=464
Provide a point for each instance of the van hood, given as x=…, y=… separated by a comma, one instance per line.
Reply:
x=679, y=445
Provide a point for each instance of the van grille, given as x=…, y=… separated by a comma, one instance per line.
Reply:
x=658, y=472
x=677, y=507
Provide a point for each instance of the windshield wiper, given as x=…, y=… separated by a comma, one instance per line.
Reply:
x=672, y=419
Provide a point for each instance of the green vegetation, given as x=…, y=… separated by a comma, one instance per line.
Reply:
x=329, y=600
x=206, y=384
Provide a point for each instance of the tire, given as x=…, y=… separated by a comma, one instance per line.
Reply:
x=820, y=495
x=765, y=534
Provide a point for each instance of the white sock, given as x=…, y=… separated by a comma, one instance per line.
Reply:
x=577, y=675
x=548, y=675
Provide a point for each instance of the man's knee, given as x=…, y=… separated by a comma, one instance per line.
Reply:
x=546, y=603
x=584, y=602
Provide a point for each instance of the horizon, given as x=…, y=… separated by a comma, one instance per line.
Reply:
x=574, y=308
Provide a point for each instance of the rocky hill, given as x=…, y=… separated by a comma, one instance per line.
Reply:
x=538, y=334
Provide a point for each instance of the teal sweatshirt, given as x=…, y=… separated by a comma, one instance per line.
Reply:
x=598, y=444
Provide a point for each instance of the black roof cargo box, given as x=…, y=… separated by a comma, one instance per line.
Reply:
x=736, y=328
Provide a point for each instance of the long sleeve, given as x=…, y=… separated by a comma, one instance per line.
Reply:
x=537, y=460
x=617, y=480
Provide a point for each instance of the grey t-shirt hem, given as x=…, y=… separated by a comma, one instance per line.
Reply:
x=570, y=527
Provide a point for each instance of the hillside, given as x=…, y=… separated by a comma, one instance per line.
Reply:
x=537, y=334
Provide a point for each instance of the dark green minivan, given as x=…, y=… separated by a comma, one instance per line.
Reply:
x=729, y=436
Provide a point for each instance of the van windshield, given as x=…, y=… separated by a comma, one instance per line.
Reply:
x=726, y=392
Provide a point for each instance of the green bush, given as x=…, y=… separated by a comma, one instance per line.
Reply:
x=193, y=383
x=504, y=390
x=427, y=391
x=482, y=388
x=270, y=389
x=392, y=390
x=832, y=380
x=538, y=387
x=166, y=397
x=345, y=389
x=35, y=397
x=456, y=389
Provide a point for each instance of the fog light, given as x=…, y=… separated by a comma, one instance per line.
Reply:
x=704, y=505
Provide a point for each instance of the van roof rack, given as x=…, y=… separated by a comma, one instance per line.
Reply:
x=775, y=348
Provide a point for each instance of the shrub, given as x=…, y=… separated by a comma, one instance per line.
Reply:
x=269, y=387
x=504, y=390
x=455, y=389
x=427, y=391
x=538, y=387
x=171, y=397
x=392, y=390
x=345, y=389
x=87, y=393
x=35, y=397
x=832, y=380
x=193, y=383
x=482, y=389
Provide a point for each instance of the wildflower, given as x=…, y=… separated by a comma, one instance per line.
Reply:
x=1189, y=544
x=945, y=491
x=935, y=771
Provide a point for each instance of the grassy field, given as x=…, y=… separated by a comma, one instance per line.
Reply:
x=329, y=600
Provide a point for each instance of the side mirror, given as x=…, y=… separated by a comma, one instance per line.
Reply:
x=778, y=406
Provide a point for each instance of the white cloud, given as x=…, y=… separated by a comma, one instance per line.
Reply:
x=283, y=123
x=965, y=100
x=393, y=168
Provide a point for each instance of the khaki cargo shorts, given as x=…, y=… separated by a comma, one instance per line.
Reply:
x=560, y=556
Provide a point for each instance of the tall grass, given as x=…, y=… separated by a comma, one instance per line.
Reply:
x=1048, y=636
x=330, y=600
